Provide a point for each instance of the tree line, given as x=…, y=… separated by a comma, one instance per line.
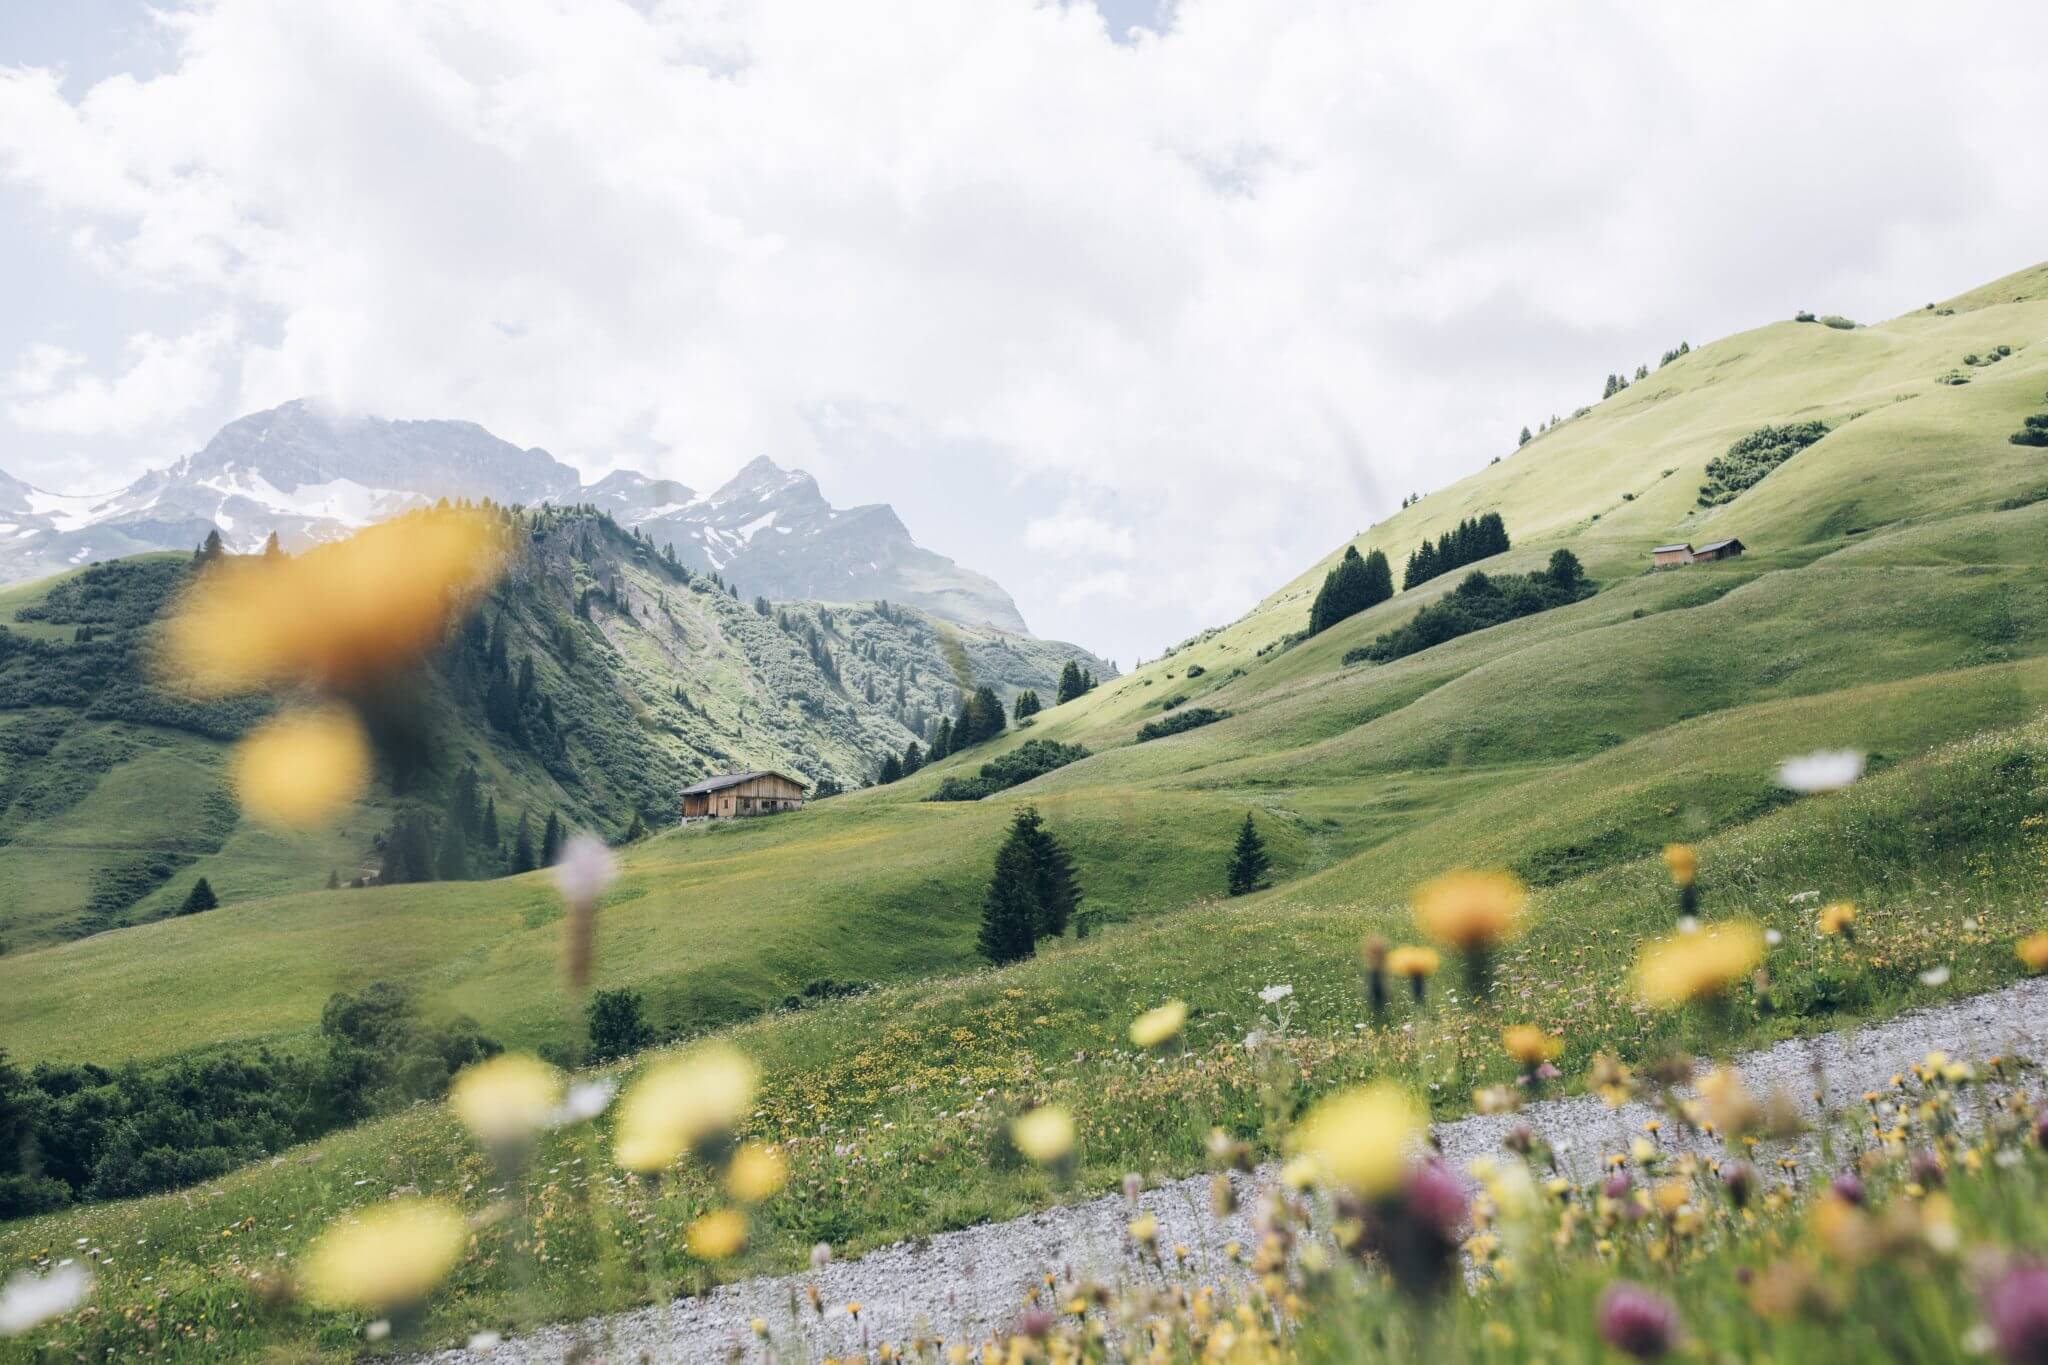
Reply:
x=1473, y=539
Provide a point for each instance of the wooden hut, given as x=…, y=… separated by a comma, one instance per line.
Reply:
x=1720, y=549
x=740, y=794
x=1671, y=556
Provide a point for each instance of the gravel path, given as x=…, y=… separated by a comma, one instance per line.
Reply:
x=964, y=1285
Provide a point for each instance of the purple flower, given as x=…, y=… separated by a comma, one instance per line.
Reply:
x=1927, y=1170
x=2017, y=1306
x=1637, y=1321
x=1035, y=1323
x=1739, y=1179
x=1436, y=1199
x=1618, y=1185
x=1848, y=1187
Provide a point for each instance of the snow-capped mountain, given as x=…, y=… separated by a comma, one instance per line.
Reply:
x=771, y=531
x=309, y=475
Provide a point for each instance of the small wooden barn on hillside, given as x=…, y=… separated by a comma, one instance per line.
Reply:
x=740, y=794
x=1671, y=556
x=1719, y=549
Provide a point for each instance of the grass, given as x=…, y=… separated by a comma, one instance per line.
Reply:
x=1893, y=601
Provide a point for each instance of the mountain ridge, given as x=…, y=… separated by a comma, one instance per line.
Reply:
x=306, y=474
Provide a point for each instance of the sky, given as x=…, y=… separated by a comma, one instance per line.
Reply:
x=1138, y=306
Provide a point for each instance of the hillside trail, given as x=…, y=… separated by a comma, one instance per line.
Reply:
x=962, y=1286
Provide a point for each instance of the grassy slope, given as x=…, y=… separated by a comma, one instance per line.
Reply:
x=1888, y=602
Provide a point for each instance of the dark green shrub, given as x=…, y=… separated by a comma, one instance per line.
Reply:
x=1033, y=758
x=1191, y=719
x=617, y=1026
x=1754, y=456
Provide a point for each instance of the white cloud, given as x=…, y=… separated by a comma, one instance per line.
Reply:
x=1077, y=535
x=1235, y=288
x=162, y=379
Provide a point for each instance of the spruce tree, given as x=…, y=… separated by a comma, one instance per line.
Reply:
x=913, y=759
x=200, y=898
x=891, y=771
x=942, y=739
x=551, y=841
x=522, y=846
x=636, y=830
x=489, y=833
x=271, y=549
x=452, y=863
x=1009, y=910
x=211, y=550
x=1525, y=438
x=1379, y=578
x=1070, y=683
x=1248, y=861
x=334, y=879
x=1026, y=705
x=1054, y=887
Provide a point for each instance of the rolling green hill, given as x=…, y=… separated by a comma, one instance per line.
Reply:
x=112, y=791
x=1894, y=600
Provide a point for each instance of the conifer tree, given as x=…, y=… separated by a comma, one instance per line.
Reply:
x=452, y=863
x=913, y=759
x=637, y=829
x=200, y=898
x=271, y=549
x=489, y=831
x=211, y=550
x=522, y=846
x=1057, y=892
x=942, y=739
x=1524, y=439
x=1070, y=683
x=334, y=879
x=1009, y=910
x=551, y=841
x=1026, y=705
x=892, y=771
x=1379, y=578
x=1248, y=861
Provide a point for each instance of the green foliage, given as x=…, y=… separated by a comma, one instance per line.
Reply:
x=1473, y=539
x=1753, y=456
x=1248, y=860
x=1353, y=586
x=616, y=1024
x=1026, y=706
x=1075, y=681
x=1191, y=719
x=199, y=898
x=1478, y=602
x=2033, y=431
x=1032, y=893
x=981, y=718
x=1033, y=758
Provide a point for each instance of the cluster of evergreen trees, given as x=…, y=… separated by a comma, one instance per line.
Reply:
x=1027, y=705
x=980, y=718
x=1032, y=894
x=1355, y=584
x=1480, y=601
x=1075, y=681
x=1033, y=758
x=465, y=842
x=1474, y=539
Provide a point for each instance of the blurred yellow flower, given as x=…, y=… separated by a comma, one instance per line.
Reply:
x=1730, y=1107
x=757, y=1172
x=1697, y=966
x=301, y=767
x=1467, y=910
x=507, y=1099
x=1837, y=918
x=1159, y=1026
x=1364, y=1139
x=1529, y=1045
x=1144, y=1229
x=2033, y=952
x=680, y=1103
x=1044, y=1135
x=1683, y=862
x=717, y=1235
x=339, y=615
x=390, y=1256
x=1413, y=962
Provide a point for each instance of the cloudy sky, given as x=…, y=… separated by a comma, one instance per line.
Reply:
x=1137, y=306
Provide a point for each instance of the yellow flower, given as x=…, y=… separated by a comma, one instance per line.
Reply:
x=389, y=1257
x=507, y=1099
x=757, y=1173
x=1364, y=1139
x=1730, y=1107
x=301, y=767
x=1837, y=918
x=1044, y=1135
x=1144, y=1229
x=1697, y=966
x=1467, y=910
x=1683, y=862
x=1413, y=962
x=680, y=1103
x=1529, y=1045
x=340, y=614
x=2033, y=951
x=717, y=1235
x=1156, y=1027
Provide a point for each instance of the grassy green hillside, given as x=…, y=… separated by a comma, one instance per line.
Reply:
x=1894, y=600
x=113, y=797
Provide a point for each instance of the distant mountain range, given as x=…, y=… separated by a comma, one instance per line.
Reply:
x=308, y=475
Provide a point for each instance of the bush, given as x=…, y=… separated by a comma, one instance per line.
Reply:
x=2033, y=432
x=1836, y=320
x=617, y=1027
x=1478, y=602
x=1191, y=719
x=1754, y=456
x=1033, y=758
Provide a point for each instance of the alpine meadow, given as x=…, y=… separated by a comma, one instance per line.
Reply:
x=463, y=904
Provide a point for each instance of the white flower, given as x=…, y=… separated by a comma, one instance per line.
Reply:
x=1254, y=1040
x=1273, y=995
x=584, y=870
x=1773, y=937
x=1802, y=897
x=1934, y=976
x=30, y=1299
x=585, y=1101
x=1823, y=770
